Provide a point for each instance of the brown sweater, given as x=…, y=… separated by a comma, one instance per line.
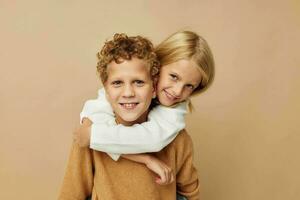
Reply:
x=93, y=173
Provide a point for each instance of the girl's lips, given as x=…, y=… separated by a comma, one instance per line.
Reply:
x=169, y=96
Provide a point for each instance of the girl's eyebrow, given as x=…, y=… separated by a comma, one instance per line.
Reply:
x=179, y=77
x=175, y=73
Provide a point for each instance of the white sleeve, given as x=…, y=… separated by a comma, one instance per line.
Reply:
x=162, y=126
x=97, y=110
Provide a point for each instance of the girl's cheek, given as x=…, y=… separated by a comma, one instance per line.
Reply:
x=165, y=83
x=187, y=95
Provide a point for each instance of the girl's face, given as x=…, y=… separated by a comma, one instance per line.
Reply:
x=177, y=81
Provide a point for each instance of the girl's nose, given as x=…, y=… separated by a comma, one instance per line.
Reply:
x=178, y=90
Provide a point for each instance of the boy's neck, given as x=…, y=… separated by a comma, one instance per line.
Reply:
x=141, y=119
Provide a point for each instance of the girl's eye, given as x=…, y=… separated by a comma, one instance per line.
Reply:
x=116, y=83
x=174, y=77
x=139, y=83
x=191, y=87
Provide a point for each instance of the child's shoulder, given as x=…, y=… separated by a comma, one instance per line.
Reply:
x=183, y=139
x=181, y=148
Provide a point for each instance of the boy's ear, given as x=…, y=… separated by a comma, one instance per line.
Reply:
x=106, y=95
x=154, y=93
x=155, y=79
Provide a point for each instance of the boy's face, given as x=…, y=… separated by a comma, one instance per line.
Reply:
x=129, y=89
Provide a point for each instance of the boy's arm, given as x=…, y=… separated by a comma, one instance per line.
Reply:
x=187, y=180
x=78, y=179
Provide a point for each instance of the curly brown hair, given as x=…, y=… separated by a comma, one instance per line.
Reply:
x=123, y=47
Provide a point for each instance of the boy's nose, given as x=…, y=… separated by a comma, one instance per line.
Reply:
x=128, y=91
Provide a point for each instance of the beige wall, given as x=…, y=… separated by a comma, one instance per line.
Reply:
x=245, y=128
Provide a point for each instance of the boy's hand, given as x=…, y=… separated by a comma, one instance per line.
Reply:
x=82, y=134
x=164, y=172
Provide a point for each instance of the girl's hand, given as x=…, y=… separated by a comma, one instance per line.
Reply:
x=164, y=172
x=82, y=135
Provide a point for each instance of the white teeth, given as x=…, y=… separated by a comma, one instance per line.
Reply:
x=129, y=105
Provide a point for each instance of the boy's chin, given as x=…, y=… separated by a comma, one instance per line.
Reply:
x=127, y=120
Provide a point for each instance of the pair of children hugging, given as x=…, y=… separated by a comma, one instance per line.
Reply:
x=94, y=172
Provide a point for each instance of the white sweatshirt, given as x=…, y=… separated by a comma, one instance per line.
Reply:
x=161, y=128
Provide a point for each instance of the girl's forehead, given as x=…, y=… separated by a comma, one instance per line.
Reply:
x=182, y=65
x=186, y=69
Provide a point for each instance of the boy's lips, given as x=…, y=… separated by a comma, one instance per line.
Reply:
x=129, y=106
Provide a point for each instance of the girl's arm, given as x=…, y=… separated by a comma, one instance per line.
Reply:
x=164, y=172
x=161, y=128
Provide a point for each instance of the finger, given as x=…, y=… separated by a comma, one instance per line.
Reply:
x=158, y=180
x=172, y=178
x=168, y=174
x=171, y=174
x=167, y=177
x=163, y=178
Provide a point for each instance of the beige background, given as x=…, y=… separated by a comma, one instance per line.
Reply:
x=245, y=128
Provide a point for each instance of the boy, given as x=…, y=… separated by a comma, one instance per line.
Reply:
x=127, y=69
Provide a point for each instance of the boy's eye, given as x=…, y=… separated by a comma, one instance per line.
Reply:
x=116, y=83
x=174, y=77
x=139, y=83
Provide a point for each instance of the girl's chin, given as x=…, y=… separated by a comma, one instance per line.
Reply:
x=165, y=102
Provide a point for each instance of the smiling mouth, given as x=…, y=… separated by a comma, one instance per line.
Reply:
x=129, y=106
x=169, y=96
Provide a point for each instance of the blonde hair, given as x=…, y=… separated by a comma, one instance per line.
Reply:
x=189, y=46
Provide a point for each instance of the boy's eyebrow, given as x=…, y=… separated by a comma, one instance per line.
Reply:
x=138, y=79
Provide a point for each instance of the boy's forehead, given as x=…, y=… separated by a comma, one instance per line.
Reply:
x=128, y=68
